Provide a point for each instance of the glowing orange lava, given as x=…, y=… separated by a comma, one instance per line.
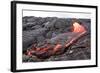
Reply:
x=58, y=46
x=77, y=27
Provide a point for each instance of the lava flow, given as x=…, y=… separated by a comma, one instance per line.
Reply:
x=49, y=49
x=78, y=28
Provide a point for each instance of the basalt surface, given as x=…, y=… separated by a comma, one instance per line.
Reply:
x=38, y=30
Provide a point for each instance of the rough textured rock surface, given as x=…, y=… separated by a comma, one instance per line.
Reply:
x=38, y=30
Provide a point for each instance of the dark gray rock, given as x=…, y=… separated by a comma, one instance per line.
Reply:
x=61, y=24
x=36, y=27
x=49, y=34
x=50, y=18
x=29, y=37
x=29, y=25
x=31, y=19
x=40, y=21
x=40, y=38
x=50, y=25
x=39, y=30
x=62, y=38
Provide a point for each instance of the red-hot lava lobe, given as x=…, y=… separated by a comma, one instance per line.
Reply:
x=78, y=28
x=49, y=50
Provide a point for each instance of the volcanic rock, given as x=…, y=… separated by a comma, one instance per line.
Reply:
x=42, y=30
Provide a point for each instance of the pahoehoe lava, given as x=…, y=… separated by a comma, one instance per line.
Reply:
x=40, y=33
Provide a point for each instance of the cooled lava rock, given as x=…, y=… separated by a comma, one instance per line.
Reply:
x=38, y=30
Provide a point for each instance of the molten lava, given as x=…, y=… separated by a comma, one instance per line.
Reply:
x=58, y=46
x=78, y=31
x=77, y=27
